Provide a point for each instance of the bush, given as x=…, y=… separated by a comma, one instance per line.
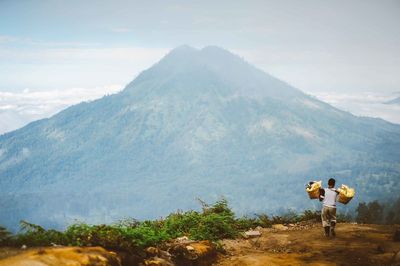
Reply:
x=111, y=237
x=179, y=224
x=214, y=222
x=213, y=227
x=245, y=223
x=5, y=236
x=145, y=235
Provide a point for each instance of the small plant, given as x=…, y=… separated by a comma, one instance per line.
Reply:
x=264, y=219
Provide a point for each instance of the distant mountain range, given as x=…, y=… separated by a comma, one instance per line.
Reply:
x=199, y=123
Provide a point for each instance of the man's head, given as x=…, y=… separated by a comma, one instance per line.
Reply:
x=331, y=182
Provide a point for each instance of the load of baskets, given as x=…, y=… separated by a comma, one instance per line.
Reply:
x=313, y=188
x=345, y=194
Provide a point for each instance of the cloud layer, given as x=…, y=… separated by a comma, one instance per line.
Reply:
x=19, y=108
x=371, y=104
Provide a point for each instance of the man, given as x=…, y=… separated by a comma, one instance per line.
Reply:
x=328, y=196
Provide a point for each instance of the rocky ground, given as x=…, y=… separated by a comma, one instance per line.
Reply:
x=295, y=244
x=306, y=245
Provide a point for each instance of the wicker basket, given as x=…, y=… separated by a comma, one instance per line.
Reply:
x=313, y=189
x=345, y=194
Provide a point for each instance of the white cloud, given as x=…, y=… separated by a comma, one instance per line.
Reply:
x=20, y=108
x=370, y=104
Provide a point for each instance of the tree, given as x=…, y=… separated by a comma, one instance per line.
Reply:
x=362, y=213
x=369, y=213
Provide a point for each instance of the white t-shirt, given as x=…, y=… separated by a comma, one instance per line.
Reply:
x=330, y=197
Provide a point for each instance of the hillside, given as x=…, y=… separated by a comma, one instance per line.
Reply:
x=199, y=123
x=293, y=245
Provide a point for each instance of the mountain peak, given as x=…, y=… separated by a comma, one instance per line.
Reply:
x=211, y=65
x=181, y=51
x=207, y=53
x=212, y=49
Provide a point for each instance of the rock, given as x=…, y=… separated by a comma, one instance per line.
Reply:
x=158, y=262
x=23, y=247
x=182, y=239
x=280, y=227
x=190, y=248
x=252, y=233
x=202, y=252
x=65, y=256
x=152, y=251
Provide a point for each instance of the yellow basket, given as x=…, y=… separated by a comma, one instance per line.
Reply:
x=313, y=189
x=345, y=194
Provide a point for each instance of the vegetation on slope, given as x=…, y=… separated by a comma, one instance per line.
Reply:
x=214, y=222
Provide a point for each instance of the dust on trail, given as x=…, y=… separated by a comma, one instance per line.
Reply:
x=354, y=245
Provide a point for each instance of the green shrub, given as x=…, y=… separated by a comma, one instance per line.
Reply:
x=245, y=223
x=179, y=224
x=111, y=237
x=145, y=235
x=213, y=227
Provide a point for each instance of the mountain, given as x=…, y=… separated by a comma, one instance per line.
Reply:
x=198, y=124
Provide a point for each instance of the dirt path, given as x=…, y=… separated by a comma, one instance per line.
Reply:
x=353, y=245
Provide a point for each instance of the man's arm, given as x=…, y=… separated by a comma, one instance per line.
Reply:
x=321, y=194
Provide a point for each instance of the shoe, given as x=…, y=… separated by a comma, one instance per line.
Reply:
x=327, y=230
x=333, y=231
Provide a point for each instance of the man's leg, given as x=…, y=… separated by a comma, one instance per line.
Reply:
x=333, y=220
x=325, y=220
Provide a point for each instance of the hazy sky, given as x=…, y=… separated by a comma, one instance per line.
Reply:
x=322, y=47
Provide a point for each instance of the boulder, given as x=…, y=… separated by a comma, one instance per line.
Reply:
x=280, y=227
x=158, y=262
x=195, y=253
x=252, y=233
x=64, y=256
